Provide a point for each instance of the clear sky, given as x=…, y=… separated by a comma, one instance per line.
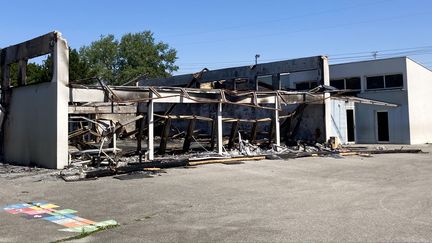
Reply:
x=223, y=33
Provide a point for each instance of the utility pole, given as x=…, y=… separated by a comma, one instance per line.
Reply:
x=256, y=58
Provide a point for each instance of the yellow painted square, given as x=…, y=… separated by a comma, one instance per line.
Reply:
x=49, y=205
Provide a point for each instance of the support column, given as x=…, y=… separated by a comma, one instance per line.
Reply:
x=213, y=134
x=276, y=122
x=189, y=136
x=139, y=137
x=219, y=129
x=253, y=134
x=150, y=143
x=233, y=134
x=327, y=101
x=114, y=143
x=164, y=136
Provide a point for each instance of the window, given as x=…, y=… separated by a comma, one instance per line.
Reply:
x=338, y=83
x=303, y=86
x=346, y=83
x=352, y=83
x=394, y=81
x=313, y=85
x=376, y=82
x=385, y=82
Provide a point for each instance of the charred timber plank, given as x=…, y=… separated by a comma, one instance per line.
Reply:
x=254, y=132
x=164, y=136
x=189, y=135
x=139, y=138
x=233, y=134
x=390, y=151
x=225, y=160
x=213, y=135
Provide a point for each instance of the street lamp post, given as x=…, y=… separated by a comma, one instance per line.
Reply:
x=256, y=58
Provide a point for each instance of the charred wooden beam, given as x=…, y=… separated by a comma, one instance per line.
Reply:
x=213, y=134
x=139, y=138
x=253, y=133
x=189, y=135
x=233, y=134
x=164, y=136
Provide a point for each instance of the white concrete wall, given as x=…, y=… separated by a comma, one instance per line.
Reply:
x=420, y=109
x=399, y=129
x=36, y=129
x=365, y=117
x=338, y=121
x=29, y=128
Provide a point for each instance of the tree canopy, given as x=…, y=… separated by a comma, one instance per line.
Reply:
x=114, y=61
x=136, y=54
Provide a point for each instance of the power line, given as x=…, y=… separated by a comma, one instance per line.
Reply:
x=413, y=51
x=307, y=29
x=298, y=17
x=337, y=56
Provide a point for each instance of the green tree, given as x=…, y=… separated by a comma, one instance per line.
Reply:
x=135, y=54
x=141, y=55
x=79, y=68
x=102, y=57
x=38, y=73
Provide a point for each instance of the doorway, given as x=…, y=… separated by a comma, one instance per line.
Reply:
x=350, y=125
x=382, y=126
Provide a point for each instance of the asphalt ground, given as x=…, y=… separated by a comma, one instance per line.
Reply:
x=385, y=198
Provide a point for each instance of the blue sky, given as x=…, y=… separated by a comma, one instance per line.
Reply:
x=217, y=34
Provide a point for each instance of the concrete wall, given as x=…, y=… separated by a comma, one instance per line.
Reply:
x=420, y=109
x=338, y=120
x=36, y=128
x=365, y=115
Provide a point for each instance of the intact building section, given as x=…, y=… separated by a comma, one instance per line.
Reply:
x=399, y=81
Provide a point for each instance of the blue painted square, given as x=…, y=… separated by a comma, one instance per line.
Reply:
x=38, y=203
x=17, y=206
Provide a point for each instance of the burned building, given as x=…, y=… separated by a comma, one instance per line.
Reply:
x=50, y=124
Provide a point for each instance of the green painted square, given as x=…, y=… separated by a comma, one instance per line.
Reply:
x=66, y=211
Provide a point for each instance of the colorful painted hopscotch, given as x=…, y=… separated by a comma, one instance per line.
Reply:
x=65, y=217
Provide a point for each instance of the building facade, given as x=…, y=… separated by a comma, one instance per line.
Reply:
x=400, y=81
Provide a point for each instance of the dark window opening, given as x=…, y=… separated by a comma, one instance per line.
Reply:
x=351, y=93
x=313, y=85
x=302, y=86
x=376, y=82
x=338, y=83
x=394, y=81
x=353, y=83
